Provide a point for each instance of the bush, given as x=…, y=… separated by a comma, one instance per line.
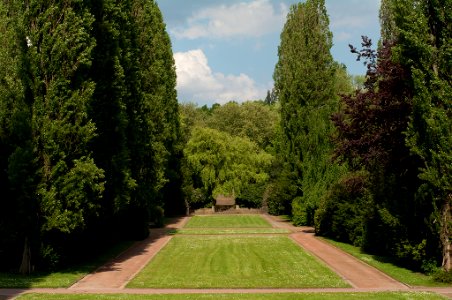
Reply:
x=280, y=195
x=443, y=276
x=157, y=216
x=252, y=196
x=341, y=214
x=302, y=212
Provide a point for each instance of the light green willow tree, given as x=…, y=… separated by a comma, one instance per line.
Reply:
x=223, y=164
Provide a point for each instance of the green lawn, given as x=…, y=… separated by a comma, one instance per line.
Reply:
x=234, y=262
x=227, y=221
x=231, y=231
x=401, y=274
x=308, y=296
x=64, y=278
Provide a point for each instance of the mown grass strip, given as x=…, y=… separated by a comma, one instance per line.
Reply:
x=228, y=221
x=285, y=296
x=212, y=231
x=63, y=278
x=234, y=262
x=383, y=264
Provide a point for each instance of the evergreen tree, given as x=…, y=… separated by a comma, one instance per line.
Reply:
x=305, y=86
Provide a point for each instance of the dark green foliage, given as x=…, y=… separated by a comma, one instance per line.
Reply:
x=252, y=196
x=89, y=127
x=424, y=47
x=342, y=214
x=443, y=276
x=306, y=88
x=371, y=136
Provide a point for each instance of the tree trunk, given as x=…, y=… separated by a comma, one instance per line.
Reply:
x=445, y=233
x=25, y=266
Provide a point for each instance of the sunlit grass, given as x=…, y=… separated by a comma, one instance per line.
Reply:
x=212, y=231
x=285, y=296
x=234, y=262
x=227, y=221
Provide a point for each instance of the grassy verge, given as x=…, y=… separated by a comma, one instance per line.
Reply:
x=63, y=278
x=197, y=231
x=228, y=221
x=307, y=296
x=234, y=262
x=383, y=264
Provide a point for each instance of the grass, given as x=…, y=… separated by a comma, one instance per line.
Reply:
x=63, y=278
x=383, y=264
x=228, y=221
x=212, y=231
x=285, y=296
x=234, y=262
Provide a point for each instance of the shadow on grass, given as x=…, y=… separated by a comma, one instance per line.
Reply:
x=64, y=277
x=104, y=262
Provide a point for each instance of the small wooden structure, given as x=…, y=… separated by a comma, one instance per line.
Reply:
x=223, y=202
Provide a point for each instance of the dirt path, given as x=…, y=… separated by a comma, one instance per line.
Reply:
x=117, y=273
x=354, y=271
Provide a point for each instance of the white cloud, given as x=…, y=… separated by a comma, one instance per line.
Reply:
x=196, y=81
x=244, y=19
x=352, y=13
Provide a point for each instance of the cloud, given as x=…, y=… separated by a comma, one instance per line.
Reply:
x=363, y=13
x=244, y=19
x=196, y=81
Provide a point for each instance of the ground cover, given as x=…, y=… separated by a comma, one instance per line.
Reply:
x=231, y=231
x=385, y=265
x=234, y=262
x=285, y=296
x=63, y=278
x=227, y=221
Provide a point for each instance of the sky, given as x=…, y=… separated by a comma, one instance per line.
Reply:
x=226, y=50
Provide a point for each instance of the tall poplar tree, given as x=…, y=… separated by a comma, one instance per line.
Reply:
x=160, y=152
x=17, y=168
x=108, y=110
x=55, y=52
x=305, y=86
x=425, y=47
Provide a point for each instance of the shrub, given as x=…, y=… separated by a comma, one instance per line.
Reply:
x=341, y=214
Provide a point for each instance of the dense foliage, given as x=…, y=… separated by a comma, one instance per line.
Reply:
x=392, y=138
x=89, y=127
x=305, y=84
x=228, y=151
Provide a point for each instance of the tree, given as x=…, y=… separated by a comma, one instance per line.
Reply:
x=250, y=119
x=370, y=137
x=108, y=109
x=158, y=84
x=222, y=164
x=58, y=53
x=17, y=167
x=305, y=84
x=424, y=35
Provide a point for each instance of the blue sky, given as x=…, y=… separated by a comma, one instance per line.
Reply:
x=226, y=50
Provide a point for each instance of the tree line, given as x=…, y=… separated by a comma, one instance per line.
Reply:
x=370, y=165
x=89, y=127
